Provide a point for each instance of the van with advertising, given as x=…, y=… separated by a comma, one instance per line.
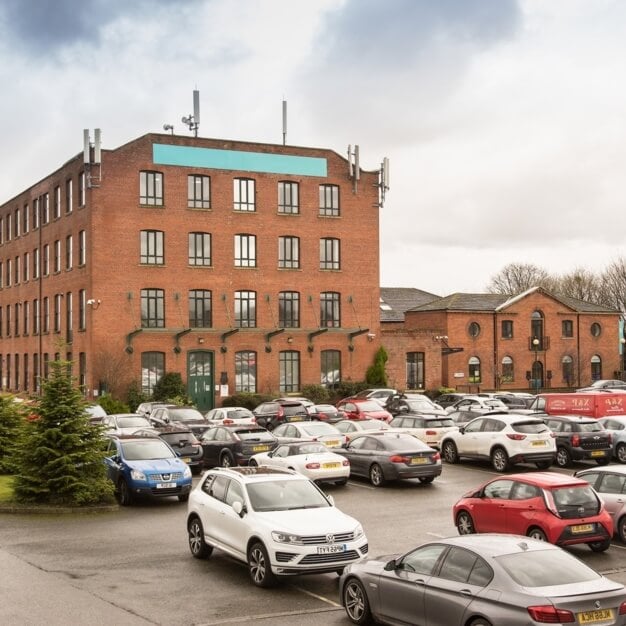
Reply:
x=587, y=403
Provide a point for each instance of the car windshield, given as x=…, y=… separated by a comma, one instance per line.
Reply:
x=530, y=427
x=325, y=408
x=237, y=414
x=421, y=404
x=575, y=496
x=175, y=439
x=294, y=409
x=369, y=406
x=185, y=415
x=310, y=448
x=495, y=404
x=372, y=425
x=543, y=568
x=132, y=422
x=259, y=434
x=319, y=428
x=146, y=450
x=285, y=495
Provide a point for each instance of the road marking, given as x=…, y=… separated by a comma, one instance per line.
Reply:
x=437, y=535
x=317, y=597
x=246, y=619
x=362, y=486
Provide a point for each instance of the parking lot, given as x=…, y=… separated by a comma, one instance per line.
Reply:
x=133, y=566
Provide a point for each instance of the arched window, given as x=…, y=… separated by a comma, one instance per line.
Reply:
x=474, y=369
x=507, y=370
x=596, y=367
x=536, y=329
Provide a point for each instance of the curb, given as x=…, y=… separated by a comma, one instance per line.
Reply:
x=43, y=509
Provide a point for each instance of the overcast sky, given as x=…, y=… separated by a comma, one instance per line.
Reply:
x=504, y=120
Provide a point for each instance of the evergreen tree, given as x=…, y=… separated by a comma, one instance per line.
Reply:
x=11, y=420
x=60, y=457
x=376, y=375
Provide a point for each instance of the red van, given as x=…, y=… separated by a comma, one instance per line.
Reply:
x=588, y=403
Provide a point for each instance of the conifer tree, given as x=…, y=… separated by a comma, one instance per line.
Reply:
x=11, y=420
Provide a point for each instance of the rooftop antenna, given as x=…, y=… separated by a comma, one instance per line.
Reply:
x=354, y=169
x=92, y=158
x=284, y=121
x=193, y=121
x=383, y=181
x=169, y=127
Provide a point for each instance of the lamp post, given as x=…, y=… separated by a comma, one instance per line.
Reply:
x=536, y=378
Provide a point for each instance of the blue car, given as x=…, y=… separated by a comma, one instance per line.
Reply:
x=140, y=466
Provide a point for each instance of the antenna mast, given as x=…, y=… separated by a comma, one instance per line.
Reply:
x=193, y=121
x=284, y=121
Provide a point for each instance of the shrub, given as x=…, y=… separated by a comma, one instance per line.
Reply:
x=11, y=422
x=134, y=396
x=316, y=393
x=246, y=400
x=111, y=405
x=170, y=386
x=376, y=375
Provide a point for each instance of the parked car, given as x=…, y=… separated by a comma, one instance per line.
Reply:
x=504, y=439
x=548, y=506
x=278, y=522
x=617, y=427
x=124, y=423
x=145, y=467
x=606, y=384
x=326, y=413
x=234, y=445
x=229, y=415
x=412, y=403
x=325, y=433
x=477, y=404
x=580, y=438
x=271, y=414
x=309, y=458
x=382, y=457
x=146, y=408
x=515, y=401
x=446, y=399
x=95, y=413
x=363, y=410
x=464, y=416
x=479, y=580
x=378, y=395
x=182, y=440
x=610, y=484
x=187, y=415
x=427, y=428
x=351, y=428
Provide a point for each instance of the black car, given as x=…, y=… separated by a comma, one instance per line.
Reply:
x=326, y=413
x=271, y=414
x=400, y=403
x=187, y=415
x=580, y=438
x=234, y=445
x=182, y=440
x=447, y=399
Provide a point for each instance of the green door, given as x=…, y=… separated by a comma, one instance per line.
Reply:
x=200, y=379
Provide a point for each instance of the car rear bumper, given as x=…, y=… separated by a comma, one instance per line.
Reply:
x=578, y=454
x=533, y=457
x=396, y=471
x=567, y=537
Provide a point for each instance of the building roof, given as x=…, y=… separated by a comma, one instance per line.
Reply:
x=394, y=301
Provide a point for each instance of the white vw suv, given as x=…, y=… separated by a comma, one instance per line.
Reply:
x=502, y=438
x=277, y=521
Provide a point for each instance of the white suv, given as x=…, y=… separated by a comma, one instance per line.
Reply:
x=276, y=521
x=504, y=439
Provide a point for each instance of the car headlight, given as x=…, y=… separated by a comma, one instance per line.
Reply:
x=358, y=532
x=286, y=538
x=137, y=475
x=187, y=472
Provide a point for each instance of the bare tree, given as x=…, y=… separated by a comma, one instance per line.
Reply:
x=613, y=285
x=515, y=278
x=580, y=284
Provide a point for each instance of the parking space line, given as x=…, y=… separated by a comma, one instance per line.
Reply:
x=317, y=596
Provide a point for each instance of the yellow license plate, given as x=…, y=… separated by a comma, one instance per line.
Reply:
x=260, y=448
x=186, y=459
x=591, y=617
x=598, y=453
x=539, y=443
x=330, y=465
x=420, y=460
x=295, y=418
x=332, y=444
x=581, y=528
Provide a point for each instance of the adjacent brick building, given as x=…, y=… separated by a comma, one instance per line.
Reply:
x=243, y=266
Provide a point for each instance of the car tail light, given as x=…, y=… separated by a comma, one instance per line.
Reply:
x=431, y=432
x=516, y=436
x=253, y=420
x=622, y=609
x=312, y=466
x=227, y=421
x=345, y=463
x=280, y=412
x=435, y=457
x=396, y=458
x=610, y=438
x=575, y=440
x=548, y=614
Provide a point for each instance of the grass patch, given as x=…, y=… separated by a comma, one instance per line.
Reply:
x=6, y=488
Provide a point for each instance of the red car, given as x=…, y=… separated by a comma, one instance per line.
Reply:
x=355, y=409
x=548, y=506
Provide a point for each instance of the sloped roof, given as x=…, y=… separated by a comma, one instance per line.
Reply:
x=394, y=301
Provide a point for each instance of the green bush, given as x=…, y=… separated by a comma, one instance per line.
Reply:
x=376, y=375
x=246, y=400
x=316, y=393
x=11, y=422
x=134, y=396
x=111, y=405
x=170, y=386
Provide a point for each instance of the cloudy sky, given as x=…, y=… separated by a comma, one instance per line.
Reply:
x=504, y=120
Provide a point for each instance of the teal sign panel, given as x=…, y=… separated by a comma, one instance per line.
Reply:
x=211, y=158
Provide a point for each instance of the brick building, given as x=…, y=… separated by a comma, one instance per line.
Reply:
x=243, y=266
x=531, y=341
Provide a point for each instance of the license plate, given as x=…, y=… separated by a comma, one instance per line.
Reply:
x=591, y=617
x=581, y=528
x=166, y=485
x=598, y=453
x=419, y=460
x=332, y=444
x=260, y=448
x=339, y=547
x=185, y=459
x=539, y=443
x=295, y=418
x=330, y=465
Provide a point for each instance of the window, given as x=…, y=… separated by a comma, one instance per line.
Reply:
x=152, y=247
x=46, y=315
x=69, y=252
x=16, y=319
x=289, y=371
x=288, y=252
x=244, y=194
x=245, y=251
x=69, y=325
x=567, y=328
x=8, y=225
x=567, y=370
x=17, y=270
x=536, y=329
x=25, y=220
x=1, y=233
x=474, y=370
x=36, y=213
x=57, y=256
x=596, y=329
x=330, y=366
x=26, y=267
x=152, y=369
x=45, y=210
x=17, y=223
x=596, y=367
x=35, y=372
x=245, y=372
x=82, y=371
x=69, y=190
x=288, y=201
x=200, y=315
x=81, y=189
x=152, y=308
x=82, y=310
x=245, y=309
x=26, y=312
x=8, y=310
x=82, y=248
x=200, y=249
x=507, y=370
x=330, y=313
x=329, y=254
x=9, y=276
x=57, y=202
x=415, y=370
x=198, y=192
x=507, y=329
x=473, y=330
x=46, y=260
x=57, y=312
x=289, y=309
x=151, y=188
x=36, y=316
x=329, y=200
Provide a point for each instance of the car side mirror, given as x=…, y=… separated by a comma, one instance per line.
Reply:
x=404, y=409
x=239, y=508
x=390, y=565
x=330, y=499
x=462, y=430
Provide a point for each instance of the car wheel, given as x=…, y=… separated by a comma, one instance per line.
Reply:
x=600, y=546
x=537, y=533
x=377, y=478
x=343, y=481
x=226, y=460
x=124, y=495
x=426, y=480
x=465, y=523
x=195, y=534
x=356, y=603
x=542, y=465
x=450, y=454
x=253, y=463
x=563, y=457
x=183, y=497
x=604, y=461
x=621, y=529
x=480, y=621
x=259, y=566
x=620, y=452
x=500, y=460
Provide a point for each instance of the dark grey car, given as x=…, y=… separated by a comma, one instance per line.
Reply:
x=481, y=580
